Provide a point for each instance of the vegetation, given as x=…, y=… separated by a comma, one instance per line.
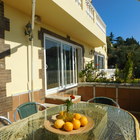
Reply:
x=92, y=74
x=125, y=54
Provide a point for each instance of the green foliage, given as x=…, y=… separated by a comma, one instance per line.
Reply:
x=125, y=75
x=128, y=69
x=68, y=104
x=117, y=74
x=118, y=51
x=90, y=73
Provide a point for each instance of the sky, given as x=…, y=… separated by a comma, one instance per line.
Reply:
x=122, y=17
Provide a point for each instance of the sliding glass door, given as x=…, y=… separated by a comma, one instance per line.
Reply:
x=53, y=63
x=61, y=64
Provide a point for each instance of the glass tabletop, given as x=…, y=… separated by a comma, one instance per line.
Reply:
x=110, y=123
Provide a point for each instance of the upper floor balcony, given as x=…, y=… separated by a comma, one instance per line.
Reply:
x=90, y=10
x=76, y=18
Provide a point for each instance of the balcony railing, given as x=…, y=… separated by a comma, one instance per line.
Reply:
x=87, y=6
x=79, y=2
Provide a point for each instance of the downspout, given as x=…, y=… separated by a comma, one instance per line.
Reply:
x=32, y=41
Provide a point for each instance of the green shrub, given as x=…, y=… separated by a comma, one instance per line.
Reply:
x=90, y=73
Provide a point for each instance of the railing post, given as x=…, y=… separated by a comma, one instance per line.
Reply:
x=117, y=93
x=83, y=5
x=94, y=16
x=94, y=91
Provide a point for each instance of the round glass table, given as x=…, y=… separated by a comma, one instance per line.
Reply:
x=110, y=123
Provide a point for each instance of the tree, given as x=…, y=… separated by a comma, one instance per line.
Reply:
x=131, y=41
x=119, y=41
x=118, y=51
x=128, y=69
x=111, y=37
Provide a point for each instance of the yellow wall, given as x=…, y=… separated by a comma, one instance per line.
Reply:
x=19, y=61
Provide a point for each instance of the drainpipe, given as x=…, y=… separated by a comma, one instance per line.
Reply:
x=32, y=41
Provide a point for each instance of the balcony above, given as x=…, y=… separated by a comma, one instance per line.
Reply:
x=76, y=18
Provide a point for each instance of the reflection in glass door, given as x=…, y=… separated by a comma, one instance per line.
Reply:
x=53, y=64
x=68, y=67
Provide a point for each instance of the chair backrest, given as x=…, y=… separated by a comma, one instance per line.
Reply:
x=26, y=109
x=4, y=120
x=104, y=100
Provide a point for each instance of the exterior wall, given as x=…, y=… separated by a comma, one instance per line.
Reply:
x=5, y=74
x=100, y=50
x=17, y=63
x=15, y=60
x=88, y=57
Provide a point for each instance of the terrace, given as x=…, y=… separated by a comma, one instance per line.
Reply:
x=68, y=34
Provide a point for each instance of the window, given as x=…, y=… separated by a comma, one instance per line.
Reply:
x=62, y=63
x=99, y=61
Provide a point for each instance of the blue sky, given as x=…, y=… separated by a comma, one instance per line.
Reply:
x=122, y=17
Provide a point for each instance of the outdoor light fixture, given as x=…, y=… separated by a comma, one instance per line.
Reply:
x=91, y=52
x=28, y=31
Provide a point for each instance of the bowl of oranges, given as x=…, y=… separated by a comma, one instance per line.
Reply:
x=69, y=123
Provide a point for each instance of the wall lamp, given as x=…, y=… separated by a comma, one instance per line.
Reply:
x=28, y=31
x=91, y=52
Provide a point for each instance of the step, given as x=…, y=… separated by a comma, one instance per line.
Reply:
x=57, y=99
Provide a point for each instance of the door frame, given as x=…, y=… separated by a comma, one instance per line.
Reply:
x=55, y=90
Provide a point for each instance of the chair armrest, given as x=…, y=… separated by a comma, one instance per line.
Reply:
x=41, y=105
x=4, y=118
x=90, y=100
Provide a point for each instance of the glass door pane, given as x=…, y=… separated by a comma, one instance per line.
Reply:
x=68, y=64
x=53, y=63
x=99, y=62
x=95, y=61
x=102, y=65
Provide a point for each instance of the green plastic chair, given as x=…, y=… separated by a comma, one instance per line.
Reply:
x=27, y=109
x=104, y=100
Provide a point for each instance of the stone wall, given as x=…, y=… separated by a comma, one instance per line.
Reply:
x=5, y=74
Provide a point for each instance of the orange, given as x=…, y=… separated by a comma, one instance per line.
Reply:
x=68, y=126
x=59, y=123
x=77, y=116
x=83, y=121
x=76, y=124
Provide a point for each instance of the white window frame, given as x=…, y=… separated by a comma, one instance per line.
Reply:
x=102, y=56
x=57, y=89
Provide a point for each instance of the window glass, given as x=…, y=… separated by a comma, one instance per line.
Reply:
x=99, y=61
x=68, y=64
